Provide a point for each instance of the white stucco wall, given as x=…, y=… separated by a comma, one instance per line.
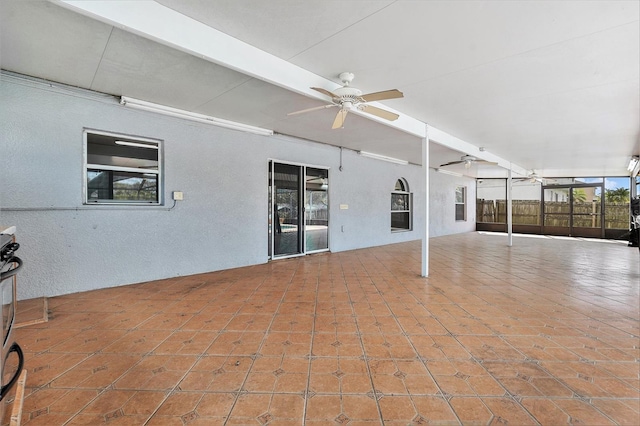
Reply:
x=442, y=204
x=221, y=224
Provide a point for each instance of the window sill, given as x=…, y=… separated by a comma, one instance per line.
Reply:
x=122, y=204
x=394, y=230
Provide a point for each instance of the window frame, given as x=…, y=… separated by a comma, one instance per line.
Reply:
x=408, y=211
x=92, y=167
x=463, y=204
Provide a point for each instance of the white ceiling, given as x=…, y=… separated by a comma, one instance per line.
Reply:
x=547, y=85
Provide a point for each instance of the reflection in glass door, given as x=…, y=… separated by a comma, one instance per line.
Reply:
x=298, y=210
x=316, y=211
x=287, y=232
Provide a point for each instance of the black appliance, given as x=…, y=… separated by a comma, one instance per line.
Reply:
x=634, y=234
x=10, y=264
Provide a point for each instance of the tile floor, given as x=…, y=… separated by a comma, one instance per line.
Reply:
x=545, y=332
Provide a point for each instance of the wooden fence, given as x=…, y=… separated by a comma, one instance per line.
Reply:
x=527, y=212
x=616, y=216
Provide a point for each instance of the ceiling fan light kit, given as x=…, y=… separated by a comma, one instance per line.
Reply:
x=348, y=98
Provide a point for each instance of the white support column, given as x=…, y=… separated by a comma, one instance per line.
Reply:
x=509, y=210
x=425, y=202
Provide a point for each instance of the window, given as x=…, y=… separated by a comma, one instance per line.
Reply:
x=401, y=207
x=121, y=169
x=461, y=203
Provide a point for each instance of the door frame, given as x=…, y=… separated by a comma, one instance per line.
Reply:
x=301, y=217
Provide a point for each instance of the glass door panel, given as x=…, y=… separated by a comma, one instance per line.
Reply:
x=586, y=207
x=557, y=209
x=287, y=232
x=586, y=211
x=316, y=211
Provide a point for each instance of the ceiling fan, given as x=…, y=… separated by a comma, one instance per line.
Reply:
x=533, y=177
x=349, y=98
x=467, y=160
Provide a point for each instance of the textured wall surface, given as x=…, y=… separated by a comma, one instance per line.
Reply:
x=222, y=222
x=442, y=204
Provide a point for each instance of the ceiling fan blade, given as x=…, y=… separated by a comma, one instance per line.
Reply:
x=451, y=163
x=380, y=96
x=489, y=163
x=325, y=92
x=302, y=111
x=382, y=113
x=339, y=121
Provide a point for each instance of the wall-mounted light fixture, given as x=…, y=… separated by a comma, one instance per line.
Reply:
x=188, y=115
x=448, y=172
x=383, y=157
x=634, y=165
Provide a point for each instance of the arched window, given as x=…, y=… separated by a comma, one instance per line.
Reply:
x=401, y=206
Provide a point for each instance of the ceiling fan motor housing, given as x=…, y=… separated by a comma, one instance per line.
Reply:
x=349, y=94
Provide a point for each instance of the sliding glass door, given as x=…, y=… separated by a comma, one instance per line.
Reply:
x=573, y=210
x=298, y=210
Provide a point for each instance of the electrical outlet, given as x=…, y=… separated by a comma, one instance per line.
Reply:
x=178, y=195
